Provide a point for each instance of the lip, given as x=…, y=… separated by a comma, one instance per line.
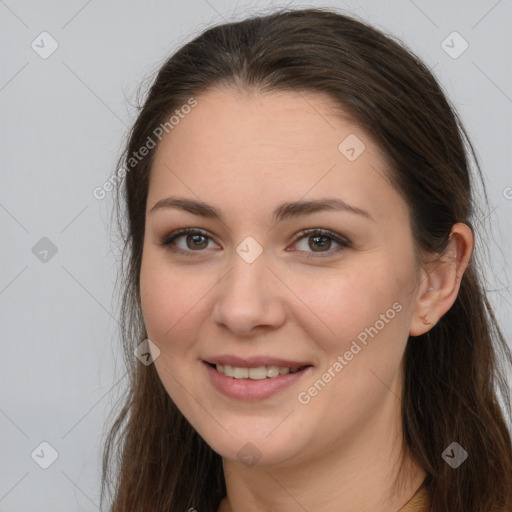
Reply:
x=249, y=389
x=255, y=361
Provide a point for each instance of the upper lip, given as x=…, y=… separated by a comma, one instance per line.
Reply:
x=255, y=361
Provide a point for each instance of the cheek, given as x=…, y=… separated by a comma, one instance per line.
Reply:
x=169, y=298
x=367, y=312
x=360, y=326
x=171, y=303
x=343, y=304
x=175, y=305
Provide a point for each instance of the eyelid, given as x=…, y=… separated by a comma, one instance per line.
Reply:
x=341, y=240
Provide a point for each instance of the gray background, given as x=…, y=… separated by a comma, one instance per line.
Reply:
x=63, y=119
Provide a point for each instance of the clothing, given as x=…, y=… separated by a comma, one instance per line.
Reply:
x=420, y=502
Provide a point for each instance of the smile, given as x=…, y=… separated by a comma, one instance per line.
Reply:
x=256, y=373
x=255, y=383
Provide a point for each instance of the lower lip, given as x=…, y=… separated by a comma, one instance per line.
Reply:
x=250, y=389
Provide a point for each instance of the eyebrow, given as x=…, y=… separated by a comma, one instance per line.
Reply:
x=282, y=212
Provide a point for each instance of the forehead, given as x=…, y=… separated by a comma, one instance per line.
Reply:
x=280, y=123
x=236, y=146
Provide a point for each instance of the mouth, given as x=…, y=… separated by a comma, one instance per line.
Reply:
x=250, y=383
x=256, y=372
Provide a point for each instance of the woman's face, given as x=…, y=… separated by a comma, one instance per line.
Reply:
x=250, y=289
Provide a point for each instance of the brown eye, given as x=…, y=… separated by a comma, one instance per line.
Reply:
x=317, y=243
x=320, y=241
x=194, y=241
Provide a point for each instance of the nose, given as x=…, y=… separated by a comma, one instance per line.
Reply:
x=249, y=298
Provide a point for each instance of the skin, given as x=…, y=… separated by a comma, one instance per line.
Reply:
x=245, y=154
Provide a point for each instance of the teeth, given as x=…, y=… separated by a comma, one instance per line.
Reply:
x=258, y=373
x=240, y=373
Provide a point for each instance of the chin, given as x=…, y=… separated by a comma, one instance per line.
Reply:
x=251, y=445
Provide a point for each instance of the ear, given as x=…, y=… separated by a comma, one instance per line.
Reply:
x=441, y=279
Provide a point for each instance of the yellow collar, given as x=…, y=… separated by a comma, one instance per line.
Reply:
x=419, y=502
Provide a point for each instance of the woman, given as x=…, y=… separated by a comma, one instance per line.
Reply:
x=301, y=284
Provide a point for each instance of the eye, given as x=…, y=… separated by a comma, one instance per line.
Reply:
x=318, y=240
x=194, y=241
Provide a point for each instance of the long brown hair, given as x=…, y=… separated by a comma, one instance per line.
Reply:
x=154, y=460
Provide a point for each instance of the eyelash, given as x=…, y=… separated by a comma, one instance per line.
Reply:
x=342, y=241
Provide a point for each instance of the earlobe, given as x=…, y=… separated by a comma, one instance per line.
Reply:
x=440, y=287
x=424, y=319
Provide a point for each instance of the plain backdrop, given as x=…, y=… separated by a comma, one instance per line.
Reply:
x=69, y=74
